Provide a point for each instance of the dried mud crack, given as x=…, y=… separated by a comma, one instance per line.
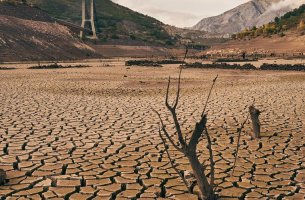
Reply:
x=90, y=133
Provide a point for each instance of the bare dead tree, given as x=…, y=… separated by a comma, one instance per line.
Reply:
x=254, y=113
x=189, y=149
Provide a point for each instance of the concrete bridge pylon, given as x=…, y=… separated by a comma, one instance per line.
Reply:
x=90, y=19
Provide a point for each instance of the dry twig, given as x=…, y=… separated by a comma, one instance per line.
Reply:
x=172, y=163
x=238, y=142
x=209, y=95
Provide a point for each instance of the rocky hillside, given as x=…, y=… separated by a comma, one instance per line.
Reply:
x=114, y=22
x=30, y=34
x=291, y=23
x=247, y=15
x=285, y=37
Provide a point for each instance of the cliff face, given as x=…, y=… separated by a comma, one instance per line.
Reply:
x=252, y=13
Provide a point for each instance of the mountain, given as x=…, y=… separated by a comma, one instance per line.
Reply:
x=292, y=22
x=114, y=22
x=247, y=15
x=285, y=37
x=29, y=34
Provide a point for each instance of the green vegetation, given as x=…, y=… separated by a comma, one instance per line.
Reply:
x=114, y=22
x=219, y=66
x=7, y=68
x=293, y=20
x=234, y=60
x=57, y=66
x=152, y=63
x=283, y=67
x=14, y=2
x=248, y=66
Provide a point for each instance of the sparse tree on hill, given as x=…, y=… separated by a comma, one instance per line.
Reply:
x=16, y=1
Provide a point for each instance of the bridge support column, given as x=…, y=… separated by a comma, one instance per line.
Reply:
x=90, y=20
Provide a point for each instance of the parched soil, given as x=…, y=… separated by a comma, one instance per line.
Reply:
x=137, y=51
x=291, y=45
x=90, y=133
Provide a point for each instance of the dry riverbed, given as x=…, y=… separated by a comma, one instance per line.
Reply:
x=90, y=133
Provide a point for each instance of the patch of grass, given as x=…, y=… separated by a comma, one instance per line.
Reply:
x=220, y=66
x=144, y=63
x=151, y=63
x=56, y=66
x=166, y=62
x=7, y=68
x=235, y=60
x=283, y=67
x=265, y=66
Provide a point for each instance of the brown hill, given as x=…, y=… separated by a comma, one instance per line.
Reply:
x=29, y=34
x=290, y=45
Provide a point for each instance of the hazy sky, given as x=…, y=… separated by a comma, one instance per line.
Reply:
x=181, y=13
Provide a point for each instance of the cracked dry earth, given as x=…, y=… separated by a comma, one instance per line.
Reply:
x=91, y=134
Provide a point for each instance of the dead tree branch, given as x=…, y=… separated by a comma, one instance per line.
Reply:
x=190, y=150
x=254, y=113
x=172, y=109
x=209, y=95
x=172, y=163
x=212, y=164
x=166, y=133
x=238, y=142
